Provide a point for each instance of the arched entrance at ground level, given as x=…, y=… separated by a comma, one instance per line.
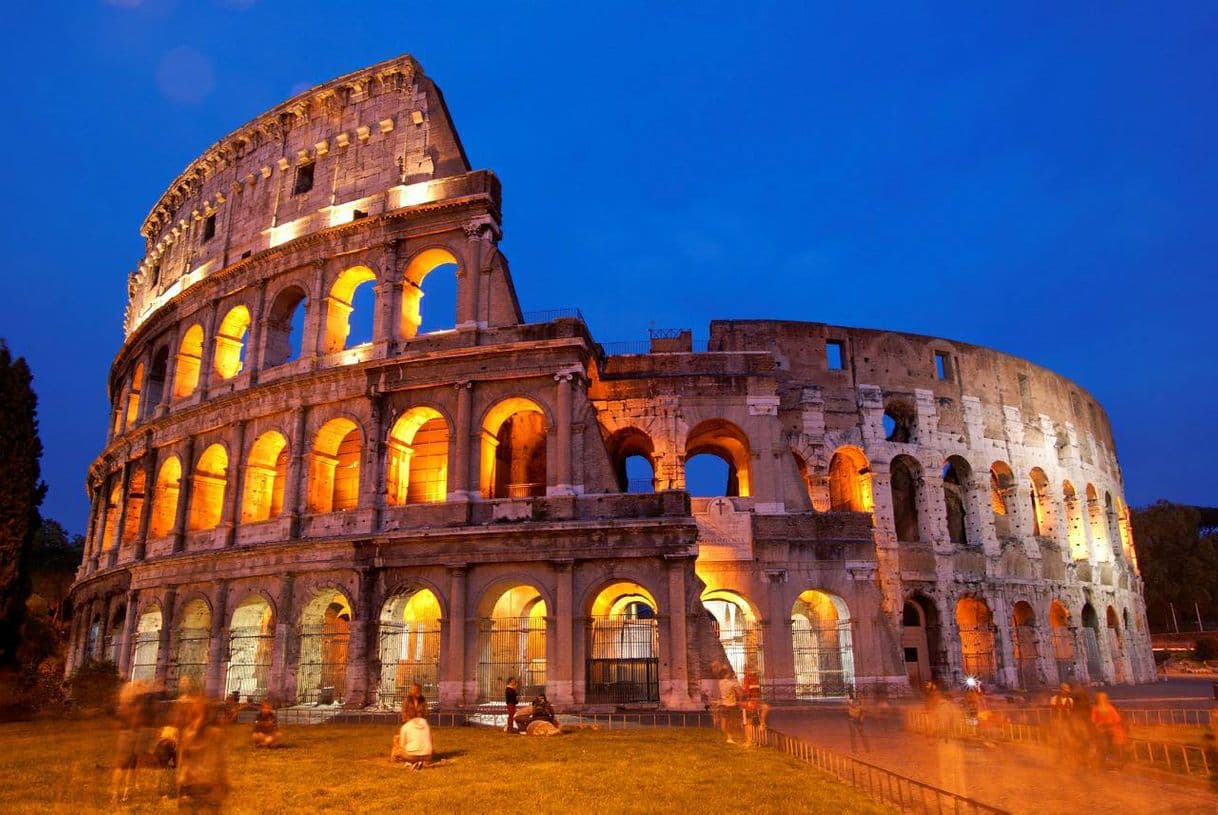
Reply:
x=114, y=634
x=623, y=656
x=325, y=633
x=739, y=631
x=410, y=646
x=1116, y=646
x=251, y=640
x=1023, y=621
x=975, y=624
x=147, y=645
x=189, y=667
x=822, y=645
x=1091, y=643
x=93, y=638
x=512, y=642
x=922, y=641
x=1063, y=641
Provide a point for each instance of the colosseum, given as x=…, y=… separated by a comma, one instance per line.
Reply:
x=341, y=459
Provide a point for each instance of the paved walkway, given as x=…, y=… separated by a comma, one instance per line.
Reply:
x=1013, y=778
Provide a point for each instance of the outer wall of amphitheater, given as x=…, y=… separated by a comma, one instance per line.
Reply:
x=342, y=460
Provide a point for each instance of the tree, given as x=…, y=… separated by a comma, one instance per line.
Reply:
x=1178, y=558
x=21, y=493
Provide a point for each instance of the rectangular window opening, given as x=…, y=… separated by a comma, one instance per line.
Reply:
x=209, y=227
x=835, y=355
x=304, y=179
x=358, y=214
x=943, y=366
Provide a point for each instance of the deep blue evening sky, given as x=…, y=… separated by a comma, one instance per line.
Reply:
x=1039, y=181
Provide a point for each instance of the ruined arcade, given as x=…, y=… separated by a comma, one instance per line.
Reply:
x=288, y=507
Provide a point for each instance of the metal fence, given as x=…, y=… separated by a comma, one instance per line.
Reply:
x=546, y=315
x=883, y=785
x=623, y=662
x=1189, y=759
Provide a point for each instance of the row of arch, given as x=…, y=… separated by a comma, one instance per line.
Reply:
x=341, y=318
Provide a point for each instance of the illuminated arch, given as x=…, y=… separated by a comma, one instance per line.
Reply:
x=623, y=646
x=1095, y=517
x=229, y=355
x=410, y=631
x=188, y=669
x=188, y=363
x=208, y=484
x=136, y=491
x=165, y=497
x=850, y=481
x=147, y=644
x=975, y=626
x=1042, y=504
x=1025, y=645
x=251, y=643
x=1063, y=641
x=1076, y=535
x=739, y=628
x=414, y=289
x=514, y=440
x=823, y=645
x=334, y=466
x=288, y=303
x=133, y=394
x=512, y=640
x=417, y=458
x=627, y=446
x=325, y=632
x=340, y=305
x=727, y=442
x=266, y=472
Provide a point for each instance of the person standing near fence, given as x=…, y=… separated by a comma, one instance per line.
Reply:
x=1061, y=708
x=855, y=715
x=1109, y=728
x=729, y=705
x=511, y=698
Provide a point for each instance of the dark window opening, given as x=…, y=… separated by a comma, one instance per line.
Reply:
x=900, y=420
x=156, y=273
x=943, y=366
x=835, y=355
x=209, y=227
x=246, y=253
x=304, y=179
x=358, y=214
x=911, y=654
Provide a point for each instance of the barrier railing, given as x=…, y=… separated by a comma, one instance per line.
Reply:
x=474, y=716
x=1189, y=759
x=546, y=315
x=1133, y=716
x=907, y=794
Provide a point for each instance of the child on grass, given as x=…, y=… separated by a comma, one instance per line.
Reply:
x=413, y=744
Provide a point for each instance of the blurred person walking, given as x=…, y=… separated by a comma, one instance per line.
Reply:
x=1061, y=708
x=202, y=773
x=856, y=715
x=1109, y=729
x=729, y=704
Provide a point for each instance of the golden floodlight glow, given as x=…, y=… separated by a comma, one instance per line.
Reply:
x=411, y=195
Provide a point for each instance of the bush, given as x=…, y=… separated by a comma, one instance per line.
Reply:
x=1206, y=648
x=94, y=686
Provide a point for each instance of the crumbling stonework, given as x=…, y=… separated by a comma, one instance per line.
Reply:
x=280, y=511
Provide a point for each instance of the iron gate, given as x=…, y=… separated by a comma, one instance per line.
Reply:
x=507, y=647
x=623, y=663
x=323, y=664
x=410, y=653
x=1026, y=657
x=824, y=658
x=191, y=658
x=977, y=652
x=249, y=662
x=1063, y=654
x=742, y=643
x=1095, y=665
x=143, y=657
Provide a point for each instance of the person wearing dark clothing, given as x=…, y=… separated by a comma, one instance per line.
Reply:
x=511, y=699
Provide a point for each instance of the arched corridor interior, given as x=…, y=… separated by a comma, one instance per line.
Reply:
x=189, y=666
x=975, y=627
x=325, y=633
x=922, y=641
x=147, y=645
x=1063, y=641
x=512, y=643
x=409, y=646
x=251, y=639
x=1027, y=652
x=739, y=632
x=822, y=645
x=623, y=646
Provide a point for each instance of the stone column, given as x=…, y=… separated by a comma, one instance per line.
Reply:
x=386, y=330
x=460, y=486
x=121, y=523
x=171, y=372
x=230, y=515
x=674, y=690
x=254, y=351
x=452, y=680
x=164, y=638
x=1004, y=644
x=145, y=409
x=150, y=465
x=562, y=440
x=293, y=488
x=99, y=533
x=314, y=334
x=89, y=562
x=185, y=488
x=469, y=276
x=560, y=683
x=217, y=646
x=283, y=663
x=372, y=470
x=209, y=349
x=125, y=644
x=361, y=630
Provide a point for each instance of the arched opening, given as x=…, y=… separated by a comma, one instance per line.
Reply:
x=900, y=421
x=514, y=450
x=114, y=635
x=110, y=527
x=147, y=645
x=432, y=274
x=1023, y=620
x=822, y=643
x=922, y=641
x=156, y=376
x=207, y=488
x=956, y=476
x=1074, y=522
x=165, y=497
x=1063, y=641
x=230, y=343
x=193, y=642
x=722, y=440
x=266, y=472
x=325, y=633
x=633, y=455
x=350, y=309
x=251, y=642
x=1002, y=486
x=850, y=481
x=623, y=653
x=133, y=395
x=334, y=467
x=93, y=639
x=1095, y=516
x=135, y=504
x=975, y=624
x=905, y=475
x=410, y=646
x=1091, y=643
x=1111, y=527
x=1127, y=547
x=285, y=327
x=417, y=466
x=1116, y=645
x=189, y=362
x=511, y=642
x=1042, y=506
x=739, y=631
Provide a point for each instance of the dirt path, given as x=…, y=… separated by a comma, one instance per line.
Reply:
x=1000, y=775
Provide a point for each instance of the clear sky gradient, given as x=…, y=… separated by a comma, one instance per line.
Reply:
x=1039, y=178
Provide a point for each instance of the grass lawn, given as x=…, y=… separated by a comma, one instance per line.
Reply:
x=64, y=766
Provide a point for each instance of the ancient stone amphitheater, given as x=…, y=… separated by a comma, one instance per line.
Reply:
x=342, y=460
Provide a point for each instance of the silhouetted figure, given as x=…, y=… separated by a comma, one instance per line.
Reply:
x=511, y=698
x=856, y=715
x=266, y=727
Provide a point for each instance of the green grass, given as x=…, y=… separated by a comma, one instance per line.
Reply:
x=64, y=767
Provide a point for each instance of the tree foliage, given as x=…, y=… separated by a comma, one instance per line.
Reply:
x=21, y=493
x=1178, y=557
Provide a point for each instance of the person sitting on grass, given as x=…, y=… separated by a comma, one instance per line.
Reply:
x=266, y=727
x=540, y=720
x=412, y=744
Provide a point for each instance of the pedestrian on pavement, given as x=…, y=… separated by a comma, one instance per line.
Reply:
x=1110, y=730
x=856, y=715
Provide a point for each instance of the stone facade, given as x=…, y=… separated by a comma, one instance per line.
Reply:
x=281, y=510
